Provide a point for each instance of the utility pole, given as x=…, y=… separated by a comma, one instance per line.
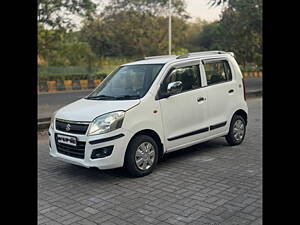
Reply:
x=170, y=29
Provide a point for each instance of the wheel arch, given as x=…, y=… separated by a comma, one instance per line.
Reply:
x=241, y=113
x=156, y=138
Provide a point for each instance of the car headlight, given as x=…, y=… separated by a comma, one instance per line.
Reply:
x=106, y=123
x=52, y=120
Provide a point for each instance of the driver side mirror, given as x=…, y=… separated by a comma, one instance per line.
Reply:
x=174, y=87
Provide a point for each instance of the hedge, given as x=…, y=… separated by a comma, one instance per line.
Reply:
x=62, y=77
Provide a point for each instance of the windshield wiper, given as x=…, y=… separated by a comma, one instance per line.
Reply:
x=128, y=97
x=98, y=97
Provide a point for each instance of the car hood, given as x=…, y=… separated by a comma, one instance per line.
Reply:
x=88, y=110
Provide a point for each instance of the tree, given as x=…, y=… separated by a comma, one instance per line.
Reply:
x=48, y=41
x=193, y=35
x=56, y=13
x=134, y=28
x=239, y=30
x=242, y=30
x=63, y=48
x=54, y=20
x=211, y=36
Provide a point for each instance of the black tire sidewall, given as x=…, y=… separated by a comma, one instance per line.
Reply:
x=229, y=137
x=130, y=164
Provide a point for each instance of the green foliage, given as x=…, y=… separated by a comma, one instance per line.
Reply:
x=76, y=53
x=129, y=29
x=48, y=41
x=250, y=67
x=241, y=24
x=60, y=48
x=56, y=43
x=66, y=70
x=211, y=36
x=146, y=7
x=108, y=64
x=134, y=28
x=193, y=33
x=62, y=77
x=125, y=35
x=57, y=13
x=239, y=31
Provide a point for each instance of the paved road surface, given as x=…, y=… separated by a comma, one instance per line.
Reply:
x=207, y=184
x=49, y=102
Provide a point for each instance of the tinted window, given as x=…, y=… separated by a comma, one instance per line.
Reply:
x=189, y=76
x=217, y=72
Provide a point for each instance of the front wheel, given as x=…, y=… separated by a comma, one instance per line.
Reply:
x=141, y=156
x=237, y=130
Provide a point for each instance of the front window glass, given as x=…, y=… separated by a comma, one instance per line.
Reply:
x=189, y=76
x=127, y=82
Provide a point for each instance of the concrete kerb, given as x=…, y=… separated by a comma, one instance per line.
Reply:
x=44, y=123
x=80, y=85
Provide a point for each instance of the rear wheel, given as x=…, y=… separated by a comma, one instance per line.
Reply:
x=237, y=130
x=141, y=156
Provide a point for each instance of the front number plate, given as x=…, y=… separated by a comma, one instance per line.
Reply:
x=68, y=140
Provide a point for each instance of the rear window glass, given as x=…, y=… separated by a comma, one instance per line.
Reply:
x=217, y=72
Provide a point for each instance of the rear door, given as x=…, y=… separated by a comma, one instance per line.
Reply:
x=221, y=93
x=184, y=114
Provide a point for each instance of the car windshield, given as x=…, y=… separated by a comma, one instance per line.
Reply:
x=127, y=82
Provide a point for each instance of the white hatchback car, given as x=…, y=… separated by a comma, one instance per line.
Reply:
x=150, y=107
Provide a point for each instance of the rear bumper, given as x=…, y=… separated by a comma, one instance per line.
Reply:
x=115, y=160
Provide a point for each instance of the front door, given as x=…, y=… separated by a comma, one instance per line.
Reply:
x=184, y=113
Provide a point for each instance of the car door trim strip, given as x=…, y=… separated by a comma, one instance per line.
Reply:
x=212, y=127
x=189, y=134
x=218, y=125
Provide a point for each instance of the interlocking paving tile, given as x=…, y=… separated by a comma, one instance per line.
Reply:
x=207, y=184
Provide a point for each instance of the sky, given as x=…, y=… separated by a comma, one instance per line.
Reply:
x=201, y=9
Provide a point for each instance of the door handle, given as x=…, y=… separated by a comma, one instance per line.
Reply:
x=230, y=91
x=200, y=99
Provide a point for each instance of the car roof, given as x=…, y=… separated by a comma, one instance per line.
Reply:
x=173, y=58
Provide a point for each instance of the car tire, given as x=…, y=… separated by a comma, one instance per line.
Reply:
x=237, y=130
x=141, y=156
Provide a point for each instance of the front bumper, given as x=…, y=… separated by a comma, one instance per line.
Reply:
x=115, y=160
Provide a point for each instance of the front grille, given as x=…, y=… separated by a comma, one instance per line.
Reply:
x=75, y=127
x=73, y=151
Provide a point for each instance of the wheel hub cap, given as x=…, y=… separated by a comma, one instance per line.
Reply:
x=144, y=156
x=238, y=130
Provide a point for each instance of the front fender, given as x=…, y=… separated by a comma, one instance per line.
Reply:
x=146, y=116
